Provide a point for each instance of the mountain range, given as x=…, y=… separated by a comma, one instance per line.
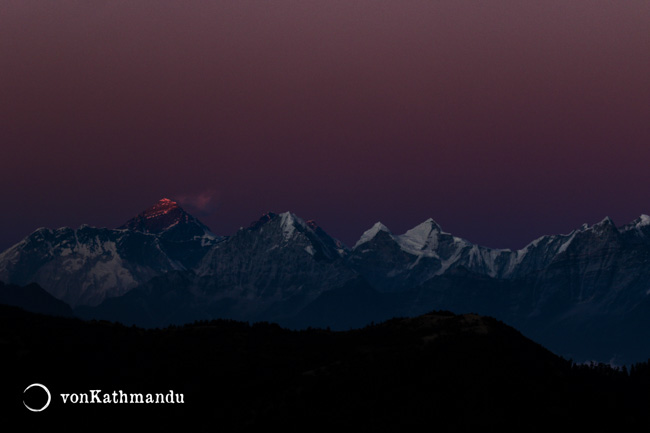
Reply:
x=585, y=294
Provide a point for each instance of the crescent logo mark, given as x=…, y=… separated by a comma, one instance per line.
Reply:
x=49, y=397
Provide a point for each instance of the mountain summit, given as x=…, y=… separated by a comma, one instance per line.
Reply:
x=161, y=217
x=86, y=265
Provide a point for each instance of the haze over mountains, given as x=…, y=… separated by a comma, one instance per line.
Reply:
x=584, y=294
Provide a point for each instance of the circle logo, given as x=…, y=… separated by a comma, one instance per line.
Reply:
x=47, y=391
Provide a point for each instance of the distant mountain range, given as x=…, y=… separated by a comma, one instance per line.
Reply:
x=584, y=294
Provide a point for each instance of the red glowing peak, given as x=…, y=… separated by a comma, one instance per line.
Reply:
x=167, y=217
x=161, y=216
x=166, y=202
x=163, y=207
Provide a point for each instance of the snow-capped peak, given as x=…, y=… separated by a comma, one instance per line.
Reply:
x=162, y=216
x=638, y=224
x=605, y=225
x=642, y=221
x=421, y=237
x=288, y=222
x=164, y=206
x=605, y=221
x=424, y=229
x=371, y=233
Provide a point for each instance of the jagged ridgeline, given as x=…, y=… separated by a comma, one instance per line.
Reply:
x=584, y=294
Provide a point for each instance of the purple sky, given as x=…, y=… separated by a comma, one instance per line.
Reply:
x=502, y=120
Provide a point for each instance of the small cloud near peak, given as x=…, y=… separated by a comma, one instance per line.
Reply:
x=204, y=202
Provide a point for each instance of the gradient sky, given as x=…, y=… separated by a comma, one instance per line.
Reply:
x=502, y=120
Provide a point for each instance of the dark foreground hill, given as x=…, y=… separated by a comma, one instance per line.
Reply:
x=33, y=298
x=439, y=372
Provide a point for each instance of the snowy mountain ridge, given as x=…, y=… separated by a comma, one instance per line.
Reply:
x=428, y=240
x=164, y=266
x=282, y=255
